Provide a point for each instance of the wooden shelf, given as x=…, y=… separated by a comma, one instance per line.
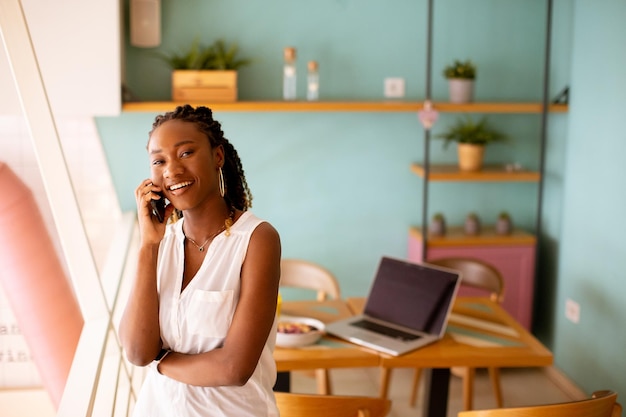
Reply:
x=497, y=107
x=488, y=173
x=346, y=106
x=488, y=237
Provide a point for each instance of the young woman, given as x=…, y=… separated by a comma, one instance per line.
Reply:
x=202, y=306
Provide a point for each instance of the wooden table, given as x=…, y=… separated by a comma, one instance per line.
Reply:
x=480, y=334
x=330, y=352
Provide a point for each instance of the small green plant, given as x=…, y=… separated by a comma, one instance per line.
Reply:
x=437, y=226
x=504, y=215
x=468, y=131
x=438, y=216
x=472, y=224
x=216, y=56
x=504, y=223
x=459, y=69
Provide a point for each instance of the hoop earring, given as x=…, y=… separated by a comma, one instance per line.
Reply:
x=221, y=183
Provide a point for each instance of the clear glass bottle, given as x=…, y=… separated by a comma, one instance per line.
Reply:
x=289, y=74
x=313, y=81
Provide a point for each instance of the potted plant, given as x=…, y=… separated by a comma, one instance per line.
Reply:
x=504, y=224
x=438, y=225
x=205, y=73
x=471, y=138
x=461, y=76
x=472, y=224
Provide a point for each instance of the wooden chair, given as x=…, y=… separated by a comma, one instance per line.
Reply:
x=297, y=273
x=308, y=405
x=601, y=404
x=484, y=277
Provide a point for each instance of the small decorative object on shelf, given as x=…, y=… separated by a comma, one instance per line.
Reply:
x=504, y=224
x=205, y=73
x=289, y=74
x=513, y=167
x=471, y=138
x=472, y=224
x=461, y=77
x=438, y=225
x=428, y=116
x=313, y=81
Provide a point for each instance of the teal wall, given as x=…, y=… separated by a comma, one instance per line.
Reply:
x=592, y=265
x=357, y=44
x=338, y=186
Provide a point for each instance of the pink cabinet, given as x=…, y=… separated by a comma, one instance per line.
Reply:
x=513, y=256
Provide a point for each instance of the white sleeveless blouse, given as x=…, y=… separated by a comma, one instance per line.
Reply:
x=197, y=320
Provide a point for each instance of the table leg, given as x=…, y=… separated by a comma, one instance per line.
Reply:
x=283, y=382
x=436, y=386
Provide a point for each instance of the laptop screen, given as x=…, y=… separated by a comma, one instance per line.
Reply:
x=411, y=295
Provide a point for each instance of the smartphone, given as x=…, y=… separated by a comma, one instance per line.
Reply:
x=158, y=208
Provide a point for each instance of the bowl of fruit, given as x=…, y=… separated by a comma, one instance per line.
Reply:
x=298, y=331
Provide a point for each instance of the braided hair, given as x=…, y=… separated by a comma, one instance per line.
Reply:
x=237, y=194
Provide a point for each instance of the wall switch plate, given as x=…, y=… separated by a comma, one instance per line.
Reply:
x=394, y=87
x=572, y=311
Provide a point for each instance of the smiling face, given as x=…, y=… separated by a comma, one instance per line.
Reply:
x=183, y=164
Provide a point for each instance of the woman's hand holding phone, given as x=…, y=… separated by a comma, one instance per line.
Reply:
x=158, y=207
x=152, y=211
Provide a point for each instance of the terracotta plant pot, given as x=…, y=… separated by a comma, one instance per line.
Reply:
x=470, y=156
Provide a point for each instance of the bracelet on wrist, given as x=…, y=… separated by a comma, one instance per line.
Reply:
x=162, y=354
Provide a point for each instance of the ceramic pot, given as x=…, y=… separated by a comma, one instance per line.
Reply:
x=472, y=225
x=437, y=226
x=470, y=156
x=461, y=90
x=504, y=225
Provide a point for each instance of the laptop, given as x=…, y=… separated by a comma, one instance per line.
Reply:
x=407, y=307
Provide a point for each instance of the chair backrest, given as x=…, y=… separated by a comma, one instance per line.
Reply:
x=298, y=273
x=311, y=405
x=601, y=404
x=476, y=274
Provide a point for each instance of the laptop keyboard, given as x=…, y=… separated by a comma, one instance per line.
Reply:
x=387, y=331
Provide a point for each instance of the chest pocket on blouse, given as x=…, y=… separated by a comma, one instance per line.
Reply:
x=210, y=313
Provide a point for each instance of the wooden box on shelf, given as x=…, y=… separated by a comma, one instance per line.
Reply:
x=204, y=85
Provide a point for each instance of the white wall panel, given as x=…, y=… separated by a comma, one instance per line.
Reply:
x=77, y=44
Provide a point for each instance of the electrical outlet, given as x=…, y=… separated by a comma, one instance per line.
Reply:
x=572, y=311
x=394, y=87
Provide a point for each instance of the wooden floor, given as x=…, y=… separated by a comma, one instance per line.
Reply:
x=519, y=387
